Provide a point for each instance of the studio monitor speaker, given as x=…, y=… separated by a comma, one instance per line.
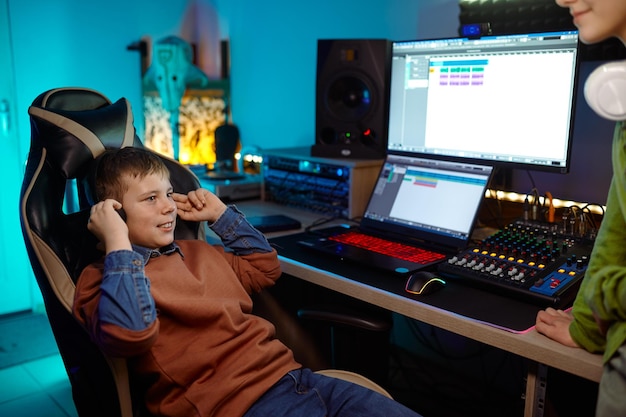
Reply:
x=352, y=98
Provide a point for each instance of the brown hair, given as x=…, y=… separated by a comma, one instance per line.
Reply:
x=115, y=164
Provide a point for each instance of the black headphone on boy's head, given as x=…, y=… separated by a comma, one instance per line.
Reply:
x=605, y=90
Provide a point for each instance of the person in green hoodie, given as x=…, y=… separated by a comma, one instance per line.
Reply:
x=597, y=320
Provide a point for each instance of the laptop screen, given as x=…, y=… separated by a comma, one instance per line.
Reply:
x=427, y=200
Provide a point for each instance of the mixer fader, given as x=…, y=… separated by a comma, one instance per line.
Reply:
x=527, y=260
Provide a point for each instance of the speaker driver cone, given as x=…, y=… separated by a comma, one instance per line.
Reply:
x=348, y=98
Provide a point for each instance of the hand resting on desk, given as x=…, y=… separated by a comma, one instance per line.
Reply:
x=555, y=325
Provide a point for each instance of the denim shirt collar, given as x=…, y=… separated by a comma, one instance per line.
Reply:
x=146, y=253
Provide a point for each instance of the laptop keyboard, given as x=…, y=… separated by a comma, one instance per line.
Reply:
x=389, y=248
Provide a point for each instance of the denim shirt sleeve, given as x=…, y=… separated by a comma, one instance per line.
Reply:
x=125, y=299
x=239, y=235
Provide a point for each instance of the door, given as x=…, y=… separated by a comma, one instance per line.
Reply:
x=16, y=279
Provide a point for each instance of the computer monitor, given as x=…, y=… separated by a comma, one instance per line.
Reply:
x=505, y=100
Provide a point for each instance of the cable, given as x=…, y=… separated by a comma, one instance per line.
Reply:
x=498, y=215
x=526, y=208
x=531, y=210
x=532, y=180
x=550, y=207
x=324, y=220
x=590, y=220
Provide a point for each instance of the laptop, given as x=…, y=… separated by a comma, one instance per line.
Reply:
x=420, y=212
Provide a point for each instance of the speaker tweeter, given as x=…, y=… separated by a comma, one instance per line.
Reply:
x=352, y=98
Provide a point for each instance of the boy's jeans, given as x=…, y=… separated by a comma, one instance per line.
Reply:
x=303, y=393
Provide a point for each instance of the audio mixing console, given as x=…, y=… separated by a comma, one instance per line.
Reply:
x=526, y=260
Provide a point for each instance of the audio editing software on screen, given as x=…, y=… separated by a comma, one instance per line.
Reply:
x=499, y=98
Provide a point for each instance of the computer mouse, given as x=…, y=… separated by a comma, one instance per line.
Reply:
x=424, y=283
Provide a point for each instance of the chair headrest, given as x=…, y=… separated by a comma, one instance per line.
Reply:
x=73, y=139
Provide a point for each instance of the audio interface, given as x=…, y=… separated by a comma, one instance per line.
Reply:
x=329, y=186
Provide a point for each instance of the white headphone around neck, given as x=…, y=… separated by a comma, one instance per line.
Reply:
x=605, y=90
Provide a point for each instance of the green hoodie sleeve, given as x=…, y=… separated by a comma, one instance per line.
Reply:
x=603, y=290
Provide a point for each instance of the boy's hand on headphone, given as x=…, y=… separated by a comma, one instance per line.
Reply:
x=108, y=226
x=199, y=205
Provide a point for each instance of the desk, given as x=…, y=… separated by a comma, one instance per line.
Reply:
x=538, y=349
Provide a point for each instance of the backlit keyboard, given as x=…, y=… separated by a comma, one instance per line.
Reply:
x=389, y=248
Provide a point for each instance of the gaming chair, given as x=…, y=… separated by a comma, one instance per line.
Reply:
x=70, y=127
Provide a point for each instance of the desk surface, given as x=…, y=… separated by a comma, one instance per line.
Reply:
x=530, y=344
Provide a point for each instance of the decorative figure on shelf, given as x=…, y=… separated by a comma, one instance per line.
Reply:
x=171, y=73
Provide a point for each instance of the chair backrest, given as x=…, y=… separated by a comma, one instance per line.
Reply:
x=70, y=127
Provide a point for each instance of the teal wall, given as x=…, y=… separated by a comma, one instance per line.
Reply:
x=273, y=49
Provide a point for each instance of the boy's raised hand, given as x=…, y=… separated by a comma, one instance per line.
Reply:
x=199, y=205
x=108, y=226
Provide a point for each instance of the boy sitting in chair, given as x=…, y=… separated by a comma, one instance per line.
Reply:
x=180, y=311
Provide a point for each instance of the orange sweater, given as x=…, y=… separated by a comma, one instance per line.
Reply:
x=206, y=354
